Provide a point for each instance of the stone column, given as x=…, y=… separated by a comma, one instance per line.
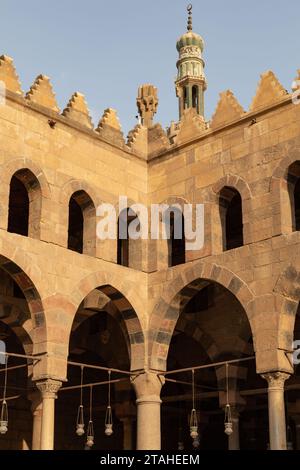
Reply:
x=147, y=387
x=234, y=438
x=36, y=409
x=48, y=389
x=277, y=425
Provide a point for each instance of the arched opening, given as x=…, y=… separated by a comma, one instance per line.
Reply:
x=99, y=325
x=174, y=221
x=14, y=318
x=82, y=224
x=212, y=327
x=231, y=213
x=129, y=250
x=292, y=393
x=297, y=204
x=293, y=181
x=24, y=211
x=195, y=97
x=185, y=97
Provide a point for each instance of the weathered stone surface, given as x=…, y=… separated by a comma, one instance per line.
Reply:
x=77, y=110
x=41, y=93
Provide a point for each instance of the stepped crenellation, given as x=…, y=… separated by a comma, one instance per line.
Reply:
x=269, y=93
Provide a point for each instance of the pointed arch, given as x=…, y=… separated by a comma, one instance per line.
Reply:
x=177, y=294
x=78, y=202
x=285, y=194
x=24, y=189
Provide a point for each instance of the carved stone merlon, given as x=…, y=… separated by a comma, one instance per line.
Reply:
x=147, y=103
x=8, y=75
x=41, y=93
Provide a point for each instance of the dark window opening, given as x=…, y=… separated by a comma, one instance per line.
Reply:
x=185, y=97
x=195, y=97
x=124, y=243
x=75, y=232
x=18, y=212
x=293, y=180
x=177, y=238
x=231, y=205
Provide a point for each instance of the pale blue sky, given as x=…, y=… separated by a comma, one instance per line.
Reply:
x=105, y=49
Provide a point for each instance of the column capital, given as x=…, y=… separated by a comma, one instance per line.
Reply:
x=148, y=386
x=276, y=380
x=49, y=388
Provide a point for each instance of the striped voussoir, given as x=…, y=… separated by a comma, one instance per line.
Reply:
x=175, y=297
x=29, y=290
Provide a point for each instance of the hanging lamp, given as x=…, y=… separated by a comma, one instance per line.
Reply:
x=108, y=417
x=193, y=420
x=228, y=418
x=4, y=409
x=90, y=429
x=80, y=417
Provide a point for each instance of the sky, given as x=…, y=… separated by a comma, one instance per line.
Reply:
x=106, y=49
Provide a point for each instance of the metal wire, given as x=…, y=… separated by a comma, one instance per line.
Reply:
x=109, y=376
x=91, y=402
x=208, y=366
x=193, y=387
x=227, y=383
x=5, y=378
x=81, y=388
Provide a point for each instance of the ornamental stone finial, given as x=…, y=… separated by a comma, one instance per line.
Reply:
x=147, y=103
x=190, y=17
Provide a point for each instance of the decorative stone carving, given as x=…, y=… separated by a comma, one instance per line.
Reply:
x=276, y=380
x=9, y=75
x=49, y=388
x=192, y=125
x=109, y=128
x=228, y=109
x=147, y=103
x=41, y=93
x=269, y=91
x=148, y=386
x=77, y=110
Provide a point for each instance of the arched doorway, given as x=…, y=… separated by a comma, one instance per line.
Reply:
x=16, y=326
x=103, y=334
x=212, y=327
x=206, y=324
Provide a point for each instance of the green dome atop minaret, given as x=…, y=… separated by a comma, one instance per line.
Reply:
x=190, y=81
x=190, y=38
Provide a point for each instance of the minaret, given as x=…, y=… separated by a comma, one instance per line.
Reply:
x=191, y=81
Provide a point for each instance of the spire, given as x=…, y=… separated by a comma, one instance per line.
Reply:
x=190, y=17
x=190, y=82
